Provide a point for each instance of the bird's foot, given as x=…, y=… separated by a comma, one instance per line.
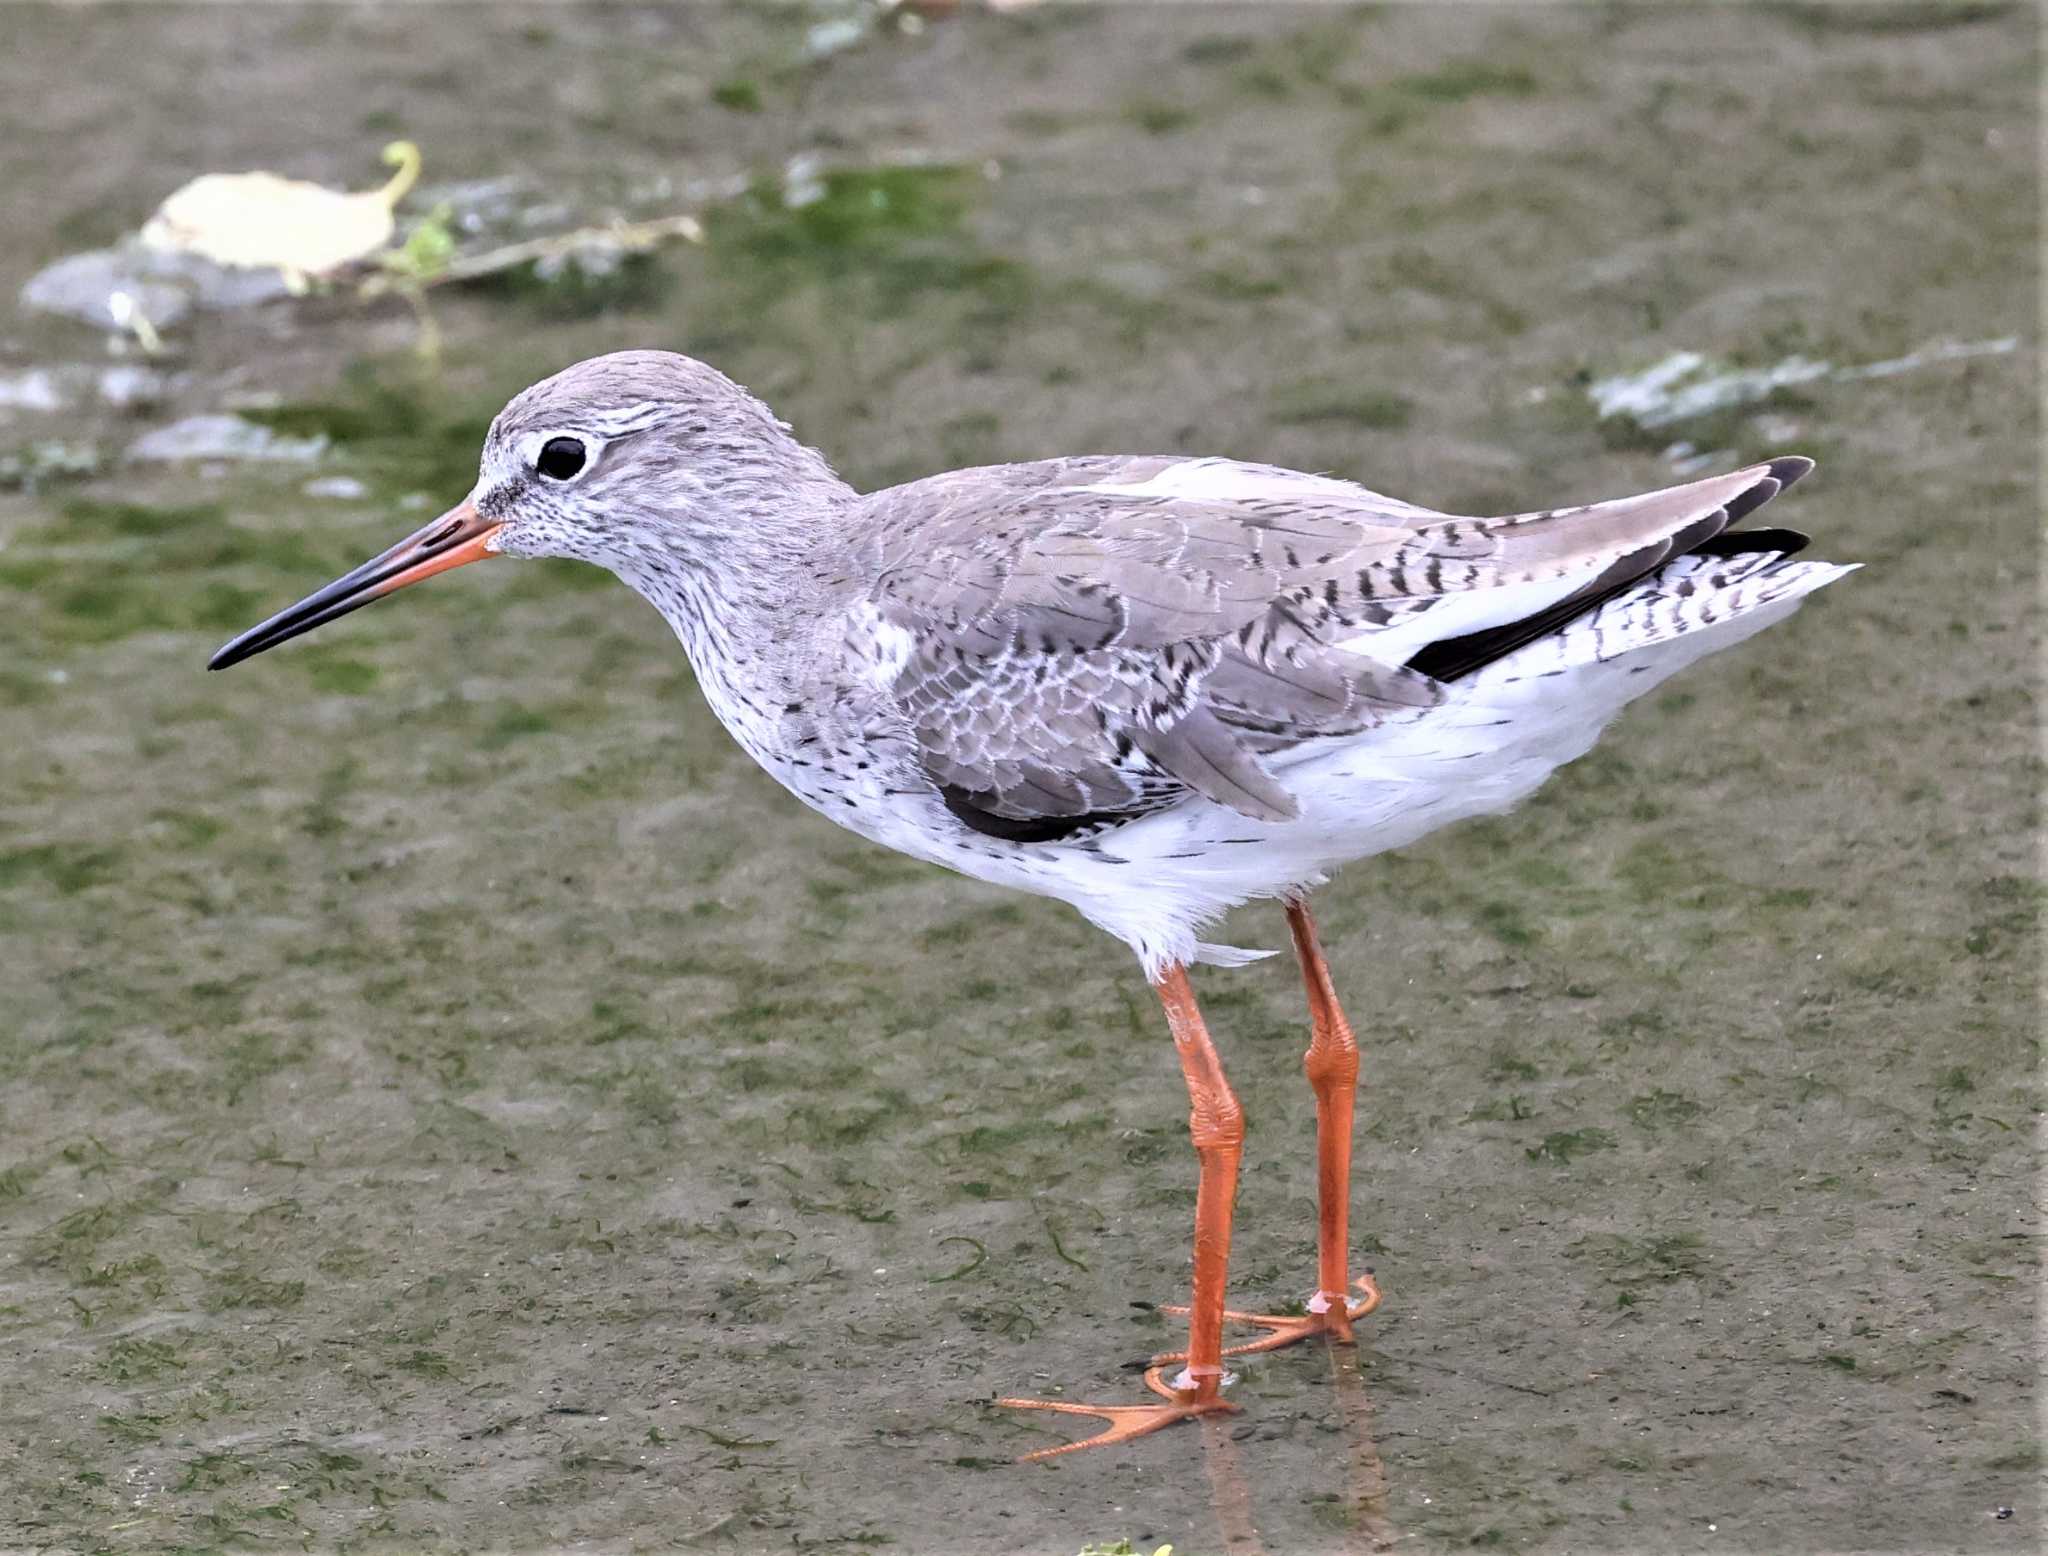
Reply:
x=1184, y=1399
x=1325, y=1315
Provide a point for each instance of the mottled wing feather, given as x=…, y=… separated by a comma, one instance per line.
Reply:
x=1102, y=636
x=1021, y=733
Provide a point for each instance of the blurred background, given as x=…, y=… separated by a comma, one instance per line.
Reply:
x=449, y=1097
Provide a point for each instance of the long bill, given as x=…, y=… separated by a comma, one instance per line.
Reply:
x=457, y=537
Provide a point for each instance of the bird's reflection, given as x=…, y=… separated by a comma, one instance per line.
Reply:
x=1366, y=1492
x=1369, y=1488
x=1230, y=1494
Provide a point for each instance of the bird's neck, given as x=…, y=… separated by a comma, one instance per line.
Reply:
x=753, y=585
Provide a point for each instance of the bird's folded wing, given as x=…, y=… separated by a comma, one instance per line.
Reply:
x=1099, y=638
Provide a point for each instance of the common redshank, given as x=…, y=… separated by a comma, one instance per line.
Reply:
x=1151, y=686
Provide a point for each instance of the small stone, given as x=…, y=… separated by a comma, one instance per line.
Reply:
x=83, y=287
x=223, y=437
x=803, y=182
x=34, y=390
x=128, y=386
x=828, y=38
x=343, y=488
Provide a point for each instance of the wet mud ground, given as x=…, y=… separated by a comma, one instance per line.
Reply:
x=450, y=1100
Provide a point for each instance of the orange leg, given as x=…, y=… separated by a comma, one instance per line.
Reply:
x=1216, y=1123
x=1332, y=1067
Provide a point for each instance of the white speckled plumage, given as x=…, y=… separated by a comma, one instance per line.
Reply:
x=1150, y=686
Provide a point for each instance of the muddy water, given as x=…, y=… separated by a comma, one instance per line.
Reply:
x=449, y=1099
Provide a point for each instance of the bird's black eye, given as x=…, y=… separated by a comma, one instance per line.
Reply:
x=560, y=458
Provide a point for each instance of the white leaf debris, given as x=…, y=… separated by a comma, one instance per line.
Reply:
x=253, y=220
x=1688, y=383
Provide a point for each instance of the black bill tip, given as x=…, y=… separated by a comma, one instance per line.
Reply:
x=457, y=537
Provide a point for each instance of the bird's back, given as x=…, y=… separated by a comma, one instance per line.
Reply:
x=1094, y=637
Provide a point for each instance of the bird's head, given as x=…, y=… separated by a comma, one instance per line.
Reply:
x=644, y=462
